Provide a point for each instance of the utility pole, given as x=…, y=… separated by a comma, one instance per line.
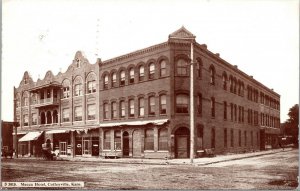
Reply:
x=192, y=116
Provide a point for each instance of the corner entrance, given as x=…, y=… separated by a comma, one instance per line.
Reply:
x=125, y=144
x=182, y=146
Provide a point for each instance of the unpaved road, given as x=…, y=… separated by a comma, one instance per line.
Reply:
x=274, y=171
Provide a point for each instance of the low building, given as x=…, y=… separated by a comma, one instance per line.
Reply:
x=137, y=105
x=7, y=135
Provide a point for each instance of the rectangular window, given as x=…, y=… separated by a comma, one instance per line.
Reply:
x=240, y=138
x=149, y=139
x=66, y=115
x=231, y=111
x=163, y=104
x=231, y=138
x=141, y=107
x=78, y=113
x=78, y=90
x=122, y=109
x=245, y=135
x=25, y=117
x=117, y=140
x=225, y=138
x=131, y=74
x=106, y=145
x=34, y=119
x=199, y=104
x=91, y=86
x=200, y=137
x=105, y=111
x=212, y=107
x=131, y=108
x=225, y=110
x=152, y=105
x=182, y=103
x=213, y=135
x=91, y=111
x=163, y=139
x=113, y=110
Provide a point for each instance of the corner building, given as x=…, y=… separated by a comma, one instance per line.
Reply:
x=137, y=105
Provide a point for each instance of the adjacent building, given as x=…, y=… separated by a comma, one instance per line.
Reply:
x=137, y=105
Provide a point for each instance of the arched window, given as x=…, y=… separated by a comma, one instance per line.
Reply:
x=114, y=110
x=131, y=75
x=149, y=139
x=91, y=83
x=141, y=73
x=163, y=139
x=182, y=67
x=105, y=82
x=122, y=78
x=78, y=86
x=43, y=118
x=66, y=88
x=49, y=117
x=212, y=106
x=151, y=106
x=212, y=75
x=55, y=116
x=234, y=85
x=163, y=104
x=163, y=68
x=151, y=70
x=141, y=107
x=224, y=81
x=122, y=109
x=114, y=79
x=182, y=103
x=106, y=145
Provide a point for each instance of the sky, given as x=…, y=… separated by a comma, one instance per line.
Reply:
x=260, y=36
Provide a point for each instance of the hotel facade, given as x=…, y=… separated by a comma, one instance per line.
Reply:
x=138, y=105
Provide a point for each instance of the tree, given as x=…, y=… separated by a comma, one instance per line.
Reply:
x=291, y=125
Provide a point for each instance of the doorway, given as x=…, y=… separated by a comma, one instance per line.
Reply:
x=182, y=139
x=125, y=144
x=62, y=148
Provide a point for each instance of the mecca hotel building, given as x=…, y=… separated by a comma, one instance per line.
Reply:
x=137, y=105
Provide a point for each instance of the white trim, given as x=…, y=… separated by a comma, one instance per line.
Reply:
x=137, y=122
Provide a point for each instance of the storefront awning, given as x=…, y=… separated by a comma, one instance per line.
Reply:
x=19, y=133
x=57, y=131
x=135, y=123
x=31, y=136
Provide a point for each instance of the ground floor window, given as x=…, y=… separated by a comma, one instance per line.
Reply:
x=149, y=139
x=106, y=145
x=200, y=137
x=117, y=140
x=163, y=139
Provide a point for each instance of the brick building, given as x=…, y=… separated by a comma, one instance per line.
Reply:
x=137, y=105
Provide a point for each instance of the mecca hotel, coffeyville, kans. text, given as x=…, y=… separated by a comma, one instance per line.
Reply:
x=137, y=105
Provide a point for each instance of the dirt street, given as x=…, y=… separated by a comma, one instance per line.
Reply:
x=274, y=171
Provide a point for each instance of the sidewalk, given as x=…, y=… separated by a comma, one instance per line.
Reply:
x=197, y=161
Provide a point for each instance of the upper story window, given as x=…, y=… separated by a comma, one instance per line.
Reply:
x=105, y=110
x=78, y=113
x=163, y=69
x=151, y=105
x=199, y=68
x=224, y=81
x=163, y=104
x=212, y=75
x=182, y=103
x=33, y=98
x=182, y=67
x=33, y=119
x=65, y=115
x=66, y=88
x=78, y=86
x=151, y=70
x=212, y=106
x=25, y=99
x=141, y=73
x=114, y=80
x=91, y=111
x=225, y=110
x=122, y=109
x=78, y=63
x=114, y=110
x=141, y=107
x=91, y=83
x=131, y=108
x=105, y=85
x=122, y=78
x=18, y=100
x=199, y=104
x=131, y=76
x=25, y=120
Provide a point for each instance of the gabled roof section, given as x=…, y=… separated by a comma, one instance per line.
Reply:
x=182, y=33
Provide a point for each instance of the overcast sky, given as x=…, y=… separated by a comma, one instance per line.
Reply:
x=260, y=36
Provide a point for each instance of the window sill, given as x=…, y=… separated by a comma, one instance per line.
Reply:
x=163, y=151
x=149, y=151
